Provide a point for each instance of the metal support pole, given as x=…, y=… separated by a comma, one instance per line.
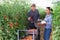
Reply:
x=38, y=34
x=33, y=34
x=18, y=34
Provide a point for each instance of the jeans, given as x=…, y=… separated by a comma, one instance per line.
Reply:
x=47, y=33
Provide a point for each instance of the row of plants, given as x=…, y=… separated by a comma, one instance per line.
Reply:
x=13, y=17
x=56, y=21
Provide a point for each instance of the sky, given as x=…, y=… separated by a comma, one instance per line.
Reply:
x=42, y=3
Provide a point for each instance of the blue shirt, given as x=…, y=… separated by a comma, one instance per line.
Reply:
x=48, y=19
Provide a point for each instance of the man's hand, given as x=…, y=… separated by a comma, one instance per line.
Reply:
x=29, y=18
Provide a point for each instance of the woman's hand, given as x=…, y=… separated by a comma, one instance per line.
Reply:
x=41, y=25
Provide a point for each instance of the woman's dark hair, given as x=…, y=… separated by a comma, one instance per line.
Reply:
x=50, y=8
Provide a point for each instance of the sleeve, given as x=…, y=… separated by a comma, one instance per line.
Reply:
x=38, y=14
x=46, y=19
x=29, y=14
x=50, y=21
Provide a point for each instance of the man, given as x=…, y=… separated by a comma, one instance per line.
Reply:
x=33, y=16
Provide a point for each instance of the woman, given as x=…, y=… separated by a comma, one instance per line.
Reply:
x=48, y=24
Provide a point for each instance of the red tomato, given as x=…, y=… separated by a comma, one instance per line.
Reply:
x=4, y=16
x=11, y=24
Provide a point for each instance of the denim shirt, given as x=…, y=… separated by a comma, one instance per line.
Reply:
x=48, y=19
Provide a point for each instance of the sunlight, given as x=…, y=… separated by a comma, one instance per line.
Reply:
x=42, y=3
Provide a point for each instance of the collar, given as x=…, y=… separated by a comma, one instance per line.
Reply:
x=48, y=15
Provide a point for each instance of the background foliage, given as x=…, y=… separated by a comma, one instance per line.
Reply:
x=13, y=17
x=56, y=21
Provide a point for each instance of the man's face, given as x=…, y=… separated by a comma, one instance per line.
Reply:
x=33, y=8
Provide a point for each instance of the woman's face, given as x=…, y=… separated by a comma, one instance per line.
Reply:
x=47, y=11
